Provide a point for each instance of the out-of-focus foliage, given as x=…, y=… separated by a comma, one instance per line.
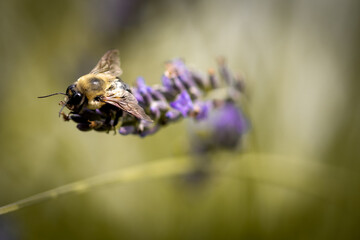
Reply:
x=297, y=174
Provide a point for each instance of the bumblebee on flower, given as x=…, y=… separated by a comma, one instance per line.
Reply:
x=101, y=101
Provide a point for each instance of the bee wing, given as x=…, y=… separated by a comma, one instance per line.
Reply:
x=128, y=103
x=109, y=64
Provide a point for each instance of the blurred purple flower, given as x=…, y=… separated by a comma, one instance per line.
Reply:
x=167, y=83
x=183, y=103
x=138, y=96
x=203, y=109
x=126, y=130
x=222, y=128
x=173, y=115
x=143, y=90
x=182, y=72
x=149, y=131
x=229, y=125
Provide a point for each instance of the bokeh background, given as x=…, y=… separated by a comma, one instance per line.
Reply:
x=296, y=175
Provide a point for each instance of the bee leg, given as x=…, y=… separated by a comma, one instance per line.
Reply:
x=118, y=114
x=100, y=126
x=78, y=118
x=111, y=121
x=113, y=126
x=107, y=123
x=83, y=127
x=65, y=117
x=95, y=124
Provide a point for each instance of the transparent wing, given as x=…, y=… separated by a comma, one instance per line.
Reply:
x=128, y=103
x=109, y=64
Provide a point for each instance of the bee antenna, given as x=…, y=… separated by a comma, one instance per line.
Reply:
x=52, y=95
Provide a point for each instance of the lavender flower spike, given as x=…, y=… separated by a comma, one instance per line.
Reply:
x=179, y=96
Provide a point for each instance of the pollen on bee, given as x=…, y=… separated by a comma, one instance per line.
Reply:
x=94, y=124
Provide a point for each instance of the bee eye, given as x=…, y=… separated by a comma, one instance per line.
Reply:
x=75, y=99
x=70, y=90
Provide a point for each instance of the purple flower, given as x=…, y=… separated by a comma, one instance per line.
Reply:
x=202, y=109
x=183, y=103
x=149, y=131
x=140, y=83
x=156, y=107
x=173, y=115
x=157, y=95
x=223, y=128
x=152, y=98
x=126, y=130
x=138, y=96
x=229, y=125
x=182, y=72
x=143, y=90
x=167, y=83
x=178, y=84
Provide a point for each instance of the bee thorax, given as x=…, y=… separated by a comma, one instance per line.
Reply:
x=94, y=104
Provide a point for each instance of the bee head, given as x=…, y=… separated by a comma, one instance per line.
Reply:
x=75, y=99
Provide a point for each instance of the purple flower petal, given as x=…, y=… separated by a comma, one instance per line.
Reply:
x=125, y=130
x=173, y=115
x=144, y=90
x=203, y=109
x=140, y=82
x=138, y=96
x=178, y=84
x=149, y=131
x=183, y=103
x=231, y=117
x=167, y=82
x=229, y=124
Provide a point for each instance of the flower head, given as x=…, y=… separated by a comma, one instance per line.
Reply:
x=179, y=96
x=229, y=125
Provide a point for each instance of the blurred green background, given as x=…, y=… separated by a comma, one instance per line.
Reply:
x=296, y=176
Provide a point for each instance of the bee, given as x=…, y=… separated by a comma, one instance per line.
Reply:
x=101, y=91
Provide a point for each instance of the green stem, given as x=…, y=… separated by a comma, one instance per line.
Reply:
x=309, y=177
x=164, y=168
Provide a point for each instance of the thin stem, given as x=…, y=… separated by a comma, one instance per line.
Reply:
x=289, y=172
x=164, y=168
